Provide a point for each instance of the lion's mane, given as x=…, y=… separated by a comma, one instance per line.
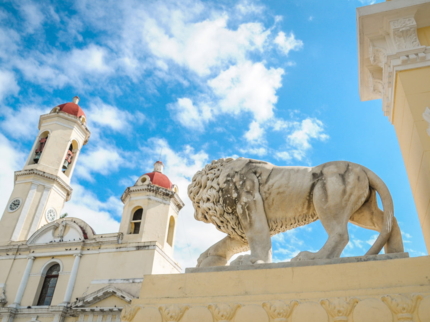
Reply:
x=207, y=197
x=204, y=191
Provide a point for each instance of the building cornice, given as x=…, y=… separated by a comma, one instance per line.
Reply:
x=87, y=247
x=102, y=294
x=388, y=43
x=46, y=175
x=155, y=191
x=84, y=129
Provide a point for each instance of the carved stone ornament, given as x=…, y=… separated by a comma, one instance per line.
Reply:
x=404, y=33
x=377, y=56
x=376, y=86
x=339, y=309
x=279, y=311
x=129, y=312
x=223, y=312
x=402, y=306
x=172, y=313
x=426, y=117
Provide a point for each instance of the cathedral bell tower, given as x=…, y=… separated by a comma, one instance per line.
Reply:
x=151, y=209
x=43, y=185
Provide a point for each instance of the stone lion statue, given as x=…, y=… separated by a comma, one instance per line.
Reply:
x=252, y=200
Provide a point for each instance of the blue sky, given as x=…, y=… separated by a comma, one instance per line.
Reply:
x=188, y=82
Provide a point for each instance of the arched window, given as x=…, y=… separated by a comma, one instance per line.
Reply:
x=49, y=284
x=68, y=162
x=171, y=231
x=136, y=221
x=39, y=147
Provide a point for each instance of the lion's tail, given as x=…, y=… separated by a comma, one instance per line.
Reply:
x=388, y=209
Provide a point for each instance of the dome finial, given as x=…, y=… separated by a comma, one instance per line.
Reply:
x=75, y=99
x=158, y=166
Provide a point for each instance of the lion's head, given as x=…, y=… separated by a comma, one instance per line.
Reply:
x=213, y=200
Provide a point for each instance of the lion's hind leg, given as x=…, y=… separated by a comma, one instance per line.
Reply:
x=221, y=252
x=339, y=193
x=369, y=216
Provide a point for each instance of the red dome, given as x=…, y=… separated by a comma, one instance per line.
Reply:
x=159, y=179
x=72, y=109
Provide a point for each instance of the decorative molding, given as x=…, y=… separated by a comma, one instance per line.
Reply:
x=389, y=43
x=376, y=86
x=223, y=312
x=102, y=294
x=46, y=175
x=377, y=56
x=68, y=117
x=172, y=313
x=402, y=306
x=84, y=231
x=129, y=312
x=339, y=309
x=155, y=190
x=279, y=311
x=404, y=33
x=118, y=281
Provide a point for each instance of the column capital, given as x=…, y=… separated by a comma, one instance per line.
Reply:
x=388, y=43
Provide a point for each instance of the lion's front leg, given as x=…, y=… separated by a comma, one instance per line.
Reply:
x=252, y=216
x=220, y=253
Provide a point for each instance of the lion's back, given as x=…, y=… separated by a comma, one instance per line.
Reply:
x=287, y=197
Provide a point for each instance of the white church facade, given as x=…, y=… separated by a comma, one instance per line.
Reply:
x=56, y=268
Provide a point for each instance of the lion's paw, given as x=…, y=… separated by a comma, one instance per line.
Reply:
x=246, y=260
x=304, y=256
x=206, y=260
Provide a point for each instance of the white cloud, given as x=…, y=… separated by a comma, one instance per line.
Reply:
x=307, y=129
x=372, y=239
x=261, y=151
x=8, y=84
x=190, y=115
x=280, y=124
x=102, y=159
x=192, y=237
x=203, y=45
x=287, y=43
x=33, y=16
x=22, y=123
x=283, y=155
x=105, y=115
x=99, y=215
x=255, y=133
x=56, y=69
x=367, y=2
x=248, y=87
x=12, y=160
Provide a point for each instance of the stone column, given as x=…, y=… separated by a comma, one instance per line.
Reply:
x=9, y=316
x=394, y=54
x=23, y=283
x=72, y=280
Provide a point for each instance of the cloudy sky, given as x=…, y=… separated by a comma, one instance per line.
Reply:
x=190, y=81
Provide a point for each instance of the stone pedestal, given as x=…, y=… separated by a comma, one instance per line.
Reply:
x=360, y=291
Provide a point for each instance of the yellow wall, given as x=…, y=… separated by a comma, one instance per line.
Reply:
x=368, y=282
x=424, y=35
x=412, y=96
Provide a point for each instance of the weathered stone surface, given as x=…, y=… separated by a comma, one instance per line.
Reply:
x=251, y=200
x=356, y=259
